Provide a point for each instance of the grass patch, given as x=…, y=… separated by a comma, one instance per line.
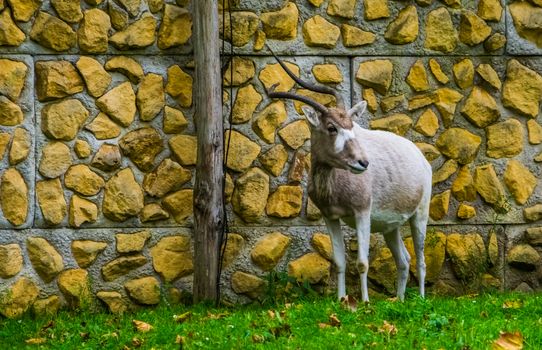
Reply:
x=313, y=323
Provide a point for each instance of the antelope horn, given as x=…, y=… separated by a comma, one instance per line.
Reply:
x=316, y=105
x=322, y=89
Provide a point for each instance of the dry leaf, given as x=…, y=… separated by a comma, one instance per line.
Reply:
x=141, y=326
x=388, y=328
x=136, y=342
x=211, y=316
x=349, y=303
x=256, y=338
x=84, y=335
x=35, y=341
x=180, y=340
x=182, y=317
x=512, y=304
x=334, y=320
x=323, y=325
x=508, y=341
x=271, y=314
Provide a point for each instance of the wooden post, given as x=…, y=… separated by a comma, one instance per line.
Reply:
x=208, y=189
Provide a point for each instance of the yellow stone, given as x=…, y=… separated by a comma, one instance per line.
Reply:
x=316, y=3
x=249, y=196
x=495, y=42
x=103, y=127
x=317, y=31
x=245, y=104
x=490, y=10
x=269, y=250
x=375, y=9
x=168, y=176
x=53, y=33
x=446, y=102
x=274, y=74
x=342, y=8
x=282, y=24
x=429, y=151
x=535, y=132
x=327, y=73
x=383, y=270
x=427, y=123
x=473, y=30
x=392, y=102
x=468, y=255
x=420, y=101
x=524, y=257
x=82, y=211
x=520, y=181
x=313, y=213
x=93, y=31
x=179, y=85
x=522, y=90
x=437, y=71
x=4, y=141
x=234, y=245
x=489, y=75
x=145, y=290
x=184, y=149
x=459, y=144
x=259, y=40
x=244, y=70
x=172, y=257
x=44, y=257
x=119, y=103
x=114, y=301
x=245, y=283
x=68, y=10
x=10, y=34
x=404, y=28
x=295, y=134
x=123, y=196
x=174, y=121
x=493, y=248
x=396, y=123
x=311, y=268
x=81, y=179
x=179, y=205
x=243, y=151
x=505, y=139
x=47, y=307
x=51, y=201
x=12, y=77
x=150, y=97
x=440, y=33
x=480, y=108
x=434, y=254
x=533, y=213
x=488, y=185
x=14, y=197
x=465, y=211
x=274, y=159
x=369, y=95
x=137, y=35
x=153, y=212
x=18, y=298
x=176, y=27
x=55, y=160
x=85, y=252
x=322, y=244
x=20, y=146
x=11, y=260
x=463, y=186
x=75, y=286
x=355, y=37
x=526, y=18
x=417, y=77
x=245, y=24
x=439, y=205
x=126, y=66
x=464, y=73
x=10, y=113
x=285, y=202
x=23, y=10
x=376, y=74
x=445, y=171
x=94, y=75
x=324, y=99
x=56, y=79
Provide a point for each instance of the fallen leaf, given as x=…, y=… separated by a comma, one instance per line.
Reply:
x=508, y=341
x=182, y=317
x=219, y=316
x=256, y=338
x=141, y=326
x=48, y=325
x=512, y=304
x=271, y=314
x=349, y=303
x=388, y=328
x=136, y=342
x=180, y=340
x=84, y=335
x=35, y=341
x=323, y=325
x=334, y=320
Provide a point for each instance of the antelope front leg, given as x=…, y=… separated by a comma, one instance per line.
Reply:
x=339, y=257
x=363, y=230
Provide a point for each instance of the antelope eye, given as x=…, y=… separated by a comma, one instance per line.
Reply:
x=331, y=129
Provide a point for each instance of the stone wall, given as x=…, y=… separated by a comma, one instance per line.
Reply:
x=97, y=149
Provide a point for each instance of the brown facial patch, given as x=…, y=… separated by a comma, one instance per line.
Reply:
x=340, y=117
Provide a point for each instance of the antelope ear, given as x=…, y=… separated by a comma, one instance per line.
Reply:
x=311, y=115
x=357, y=110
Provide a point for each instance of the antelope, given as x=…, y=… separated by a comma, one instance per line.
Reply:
x=374, y=181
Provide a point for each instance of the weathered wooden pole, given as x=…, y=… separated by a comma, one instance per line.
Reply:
x=208, y=189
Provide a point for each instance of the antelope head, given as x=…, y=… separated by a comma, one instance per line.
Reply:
x=333, y=131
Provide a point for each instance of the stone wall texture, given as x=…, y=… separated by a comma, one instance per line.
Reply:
x=97, y=145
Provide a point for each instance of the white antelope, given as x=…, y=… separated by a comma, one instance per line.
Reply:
x=374, y=181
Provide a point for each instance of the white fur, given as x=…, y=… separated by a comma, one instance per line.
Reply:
x=343, y=136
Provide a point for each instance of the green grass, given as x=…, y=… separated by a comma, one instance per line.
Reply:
x=432, y=323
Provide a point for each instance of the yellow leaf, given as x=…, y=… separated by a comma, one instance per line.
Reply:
x=388, y=328
x=349, y=303
x=182, y=317
x=334, y=320
x=35, y=341
x=271, y=314
x=180, y=340
x=323, y=325
x=508, y=341
x=512, y=304
x=136, y=342
x=141, y=326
